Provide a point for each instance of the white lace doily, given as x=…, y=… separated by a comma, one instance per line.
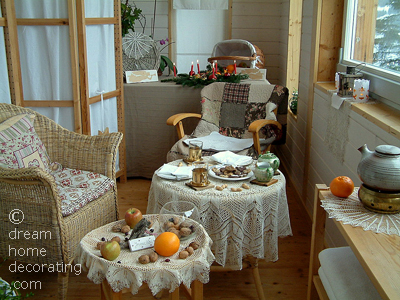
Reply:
x=239, y=223
x=127, y=272
x=351, y=211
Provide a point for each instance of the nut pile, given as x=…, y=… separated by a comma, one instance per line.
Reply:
x=182, y=229
x=231, y=171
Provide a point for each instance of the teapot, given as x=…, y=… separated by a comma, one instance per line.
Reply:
x=271, y=158
x=380, y=169
x=263, y=171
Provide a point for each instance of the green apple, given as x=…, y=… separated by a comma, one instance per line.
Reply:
x=133, y=216
x=110, y=250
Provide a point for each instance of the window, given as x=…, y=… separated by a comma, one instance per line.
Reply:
x=372, y=41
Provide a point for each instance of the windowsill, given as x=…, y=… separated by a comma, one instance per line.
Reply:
x=377, y=113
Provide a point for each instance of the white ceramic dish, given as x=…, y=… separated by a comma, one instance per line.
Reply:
x=212, y=174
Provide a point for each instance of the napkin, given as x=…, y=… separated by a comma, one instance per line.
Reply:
x=218, y=142
x=178, y=172
x=230, y=158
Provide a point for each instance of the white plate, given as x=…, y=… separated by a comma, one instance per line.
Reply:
x=172, y=177
x=212, y=174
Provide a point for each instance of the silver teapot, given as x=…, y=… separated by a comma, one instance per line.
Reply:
x=380, y=169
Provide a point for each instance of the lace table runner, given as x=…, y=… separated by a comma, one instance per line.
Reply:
x=242, y=223
x=351, y=211
x=127, y=272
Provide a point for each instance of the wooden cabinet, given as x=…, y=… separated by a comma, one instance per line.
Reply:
x=379, y=254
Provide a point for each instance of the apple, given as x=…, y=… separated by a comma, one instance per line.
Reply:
x=132, y=217
x=110, y=250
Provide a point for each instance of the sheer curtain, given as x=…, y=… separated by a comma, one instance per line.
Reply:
x=46, y=61
x=200, y=25
x=4, y=83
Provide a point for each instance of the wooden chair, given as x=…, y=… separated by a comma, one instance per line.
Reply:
x=34, y=192
x=253, y=124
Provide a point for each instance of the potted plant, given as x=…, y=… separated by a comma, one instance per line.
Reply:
x=129, y=15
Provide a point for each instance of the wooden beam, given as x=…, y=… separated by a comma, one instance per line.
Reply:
x=42, y=22
x=12, y=52
x=48, y=103
x=106, y=96
x=294, y=41
x=83, y=66
x=330, y=37
x=119, y=82
x=100, y=21
x=365, y=30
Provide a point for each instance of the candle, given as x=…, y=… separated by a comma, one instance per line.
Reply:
x=213, y=67
x=198, y=67
x=216, y=66
x=234, y=62
x=361, y=90
x=191, y=71
x=174, y=70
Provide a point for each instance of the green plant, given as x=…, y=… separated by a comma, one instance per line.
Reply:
x=10, y=291
x=129, y=14
x=293, y=102
x=166, y=62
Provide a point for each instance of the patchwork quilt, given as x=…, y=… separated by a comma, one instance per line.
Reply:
x=229, y=108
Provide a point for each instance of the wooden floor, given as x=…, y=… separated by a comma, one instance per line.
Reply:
x=284, y=279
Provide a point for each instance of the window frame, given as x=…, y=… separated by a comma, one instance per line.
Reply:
x=384, y=84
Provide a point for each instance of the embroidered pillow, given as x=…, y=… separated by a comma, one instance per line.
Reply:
x=21, y=147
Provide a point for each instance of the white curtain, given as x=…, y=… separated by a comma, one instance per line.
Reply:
x=201, y=4
x=4, y=83
x=46, y=61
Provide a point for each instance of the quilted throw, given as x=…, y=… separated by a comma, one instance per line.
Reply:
x=230, y=108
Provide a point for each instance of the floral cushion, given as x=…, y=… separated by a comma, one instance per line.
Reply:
x=76, y=188
x=21, y=147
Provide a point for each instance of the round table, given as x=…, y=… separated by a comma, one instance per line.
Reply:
x=240, y=224
x=126, y=273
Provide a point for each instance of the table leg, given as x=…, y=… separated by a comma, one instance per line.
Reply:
x=197, y=290
x=107, y=293
x=174, y=295
x=257, y=281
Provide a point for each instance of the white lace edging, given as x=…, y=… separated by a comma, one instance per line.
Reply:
x=158, y=275
x=351, y=211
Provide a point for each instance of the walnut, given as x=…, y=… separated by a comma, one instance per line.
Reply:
x=100, y=244
x=117, y=239
x=174, y=230
x=176, y=220
x=125, y=229
x=190, y=250
x=144, y=259
x=185, y=231
x=169, y=224
x=153, y=256
x=183, y=254
x=185, y=224
x=194, y=245
x=116, y=228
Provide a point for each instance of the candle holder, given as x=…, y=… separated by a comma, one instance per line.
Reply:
x=361, y=90
x=346, y=82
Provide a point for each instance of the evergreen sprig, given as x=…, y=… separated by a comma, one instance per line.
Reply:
x=201, y=81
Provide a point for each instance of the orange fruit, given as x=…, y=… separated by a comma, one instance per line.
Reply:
x=230, y=68
x=342, y=186
x=167, y=244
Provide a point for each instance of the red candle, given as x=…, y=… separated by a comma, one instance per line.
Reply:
x=174, y=70
x=234, y=62
x=216, y=66
x=198, y=67
x=191, y=70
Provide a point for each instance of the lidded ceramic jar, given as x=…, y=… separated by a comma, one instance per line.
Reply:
x=380, y=169
x=271, y=158
x=263, y=171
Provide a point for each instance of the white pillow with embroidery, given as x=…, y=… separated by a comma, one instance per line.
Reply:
x=21, y=147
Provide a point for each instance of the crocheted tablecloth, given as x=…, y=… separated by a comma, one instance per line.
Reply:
x=127, y=272
x=351, y=211
x=242, y=223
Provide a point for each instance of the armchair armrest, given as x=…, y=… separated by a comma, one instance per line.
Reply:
x=91, y=153
x=176, y=120
x=255, y=127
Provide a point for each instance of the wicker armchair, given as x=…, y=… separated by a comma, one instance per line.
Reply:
x=34, y=192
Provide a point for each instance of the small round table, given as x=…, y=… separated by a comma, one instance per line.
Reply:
x=125, y=273
x=245, y=223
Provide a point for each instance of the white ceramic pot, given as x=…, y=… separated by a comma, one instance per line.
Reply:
x=263, y=171
x=271, y=158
